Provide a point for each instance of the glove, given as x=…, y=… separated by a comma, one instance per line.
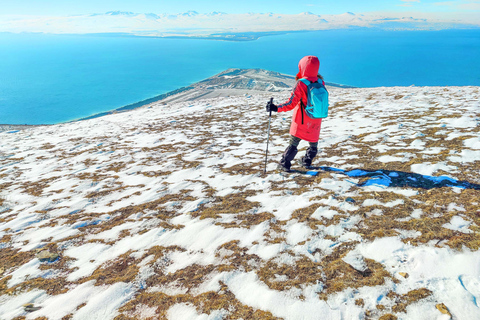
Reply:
x=271, y=107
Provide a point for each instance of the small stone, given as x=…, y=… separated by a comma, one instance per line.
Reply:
x=443, y=309
x=2, y=269
x=29, y=307
x=403, y=274
x=46, y=255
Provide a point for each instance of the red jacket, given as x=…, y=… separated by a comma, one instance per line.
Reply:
x=309, y=130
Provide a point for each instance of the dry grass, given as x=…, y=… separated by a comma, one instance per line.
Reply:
x=189, y=277
x=231, y=204
x=6, y=238
x=204, y=303
x=13, y=258
x=403, y=301
x=118, y=217
x=116, y=166
x=35, y=188
x=243, y=169
x=388, y=317
x=123, y=269
x=430, y=225
x=304, y=272
x=47, y=146
x=304, y=215
x=237, y=258
x=106, y=191
x=249, y=220
x=327, y=268
x=339, y=275
x=52, y=286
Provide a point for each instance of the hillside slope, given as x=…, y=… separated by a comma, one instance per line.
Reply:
x=164, y=213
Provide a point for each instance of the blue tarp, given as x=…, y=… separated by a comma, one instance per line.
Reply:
x=389, y=178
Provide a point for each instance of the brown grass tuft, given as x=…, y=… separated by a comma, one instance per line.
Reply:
x=122, y=269
x=403, y=301
x=233, y=203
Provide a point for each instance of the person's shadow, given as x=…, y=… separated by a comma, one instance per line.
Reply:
x=390, y=178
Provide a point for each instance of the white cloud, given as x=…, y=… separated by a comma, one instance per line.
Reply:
x=471, y=5
x=409, y=3
x=446, y=3
x=205, y=25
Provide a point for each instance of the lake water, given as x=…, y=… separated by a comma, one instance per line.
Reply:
x=46, y=79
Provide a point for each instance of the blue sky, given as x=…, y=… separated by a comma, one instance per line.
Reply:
x=70, y=7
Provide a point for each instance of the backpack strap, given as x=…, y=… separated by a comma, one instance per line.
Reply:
x=302, y=105
x=305, y=81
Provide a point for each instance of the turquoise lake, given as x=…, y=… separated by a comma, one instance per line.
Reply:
x=46, y=79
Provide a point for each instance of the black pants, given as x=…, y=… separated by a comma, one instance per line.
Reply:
x=294, y=141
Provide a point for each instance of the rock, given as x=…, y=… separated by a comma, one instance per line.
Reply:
x=443, y=309
x=29, y=307
x=403, y=274
x=357, y=262
x=46, y=255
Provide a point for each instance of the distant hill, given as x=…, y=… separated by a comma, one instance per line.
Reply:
x=231, y=82
x=223, y=26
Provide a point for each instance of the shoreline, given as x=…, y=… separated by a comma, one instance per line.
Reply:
x=128, y=107
x=12, y=128
x=135, y=105
x=217, y=36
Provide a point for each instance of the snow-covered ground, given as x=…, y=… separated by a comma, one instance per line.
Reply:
x=164, y=212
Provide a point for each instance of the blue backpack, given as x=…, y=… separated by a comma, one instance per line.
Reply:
x=317, y=100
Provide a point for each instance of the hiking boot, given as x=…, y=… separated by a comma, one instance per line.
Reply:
x=287, y=157
x=308, y=157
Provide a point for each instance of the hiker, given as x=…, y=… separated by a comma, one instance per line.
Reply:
x=303, y=127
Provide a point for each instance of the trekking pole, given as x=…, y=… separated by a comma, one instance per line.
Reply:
x=268, y=138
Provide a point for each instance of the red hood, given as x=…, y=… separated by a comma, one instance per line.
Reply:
x=308, y=68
